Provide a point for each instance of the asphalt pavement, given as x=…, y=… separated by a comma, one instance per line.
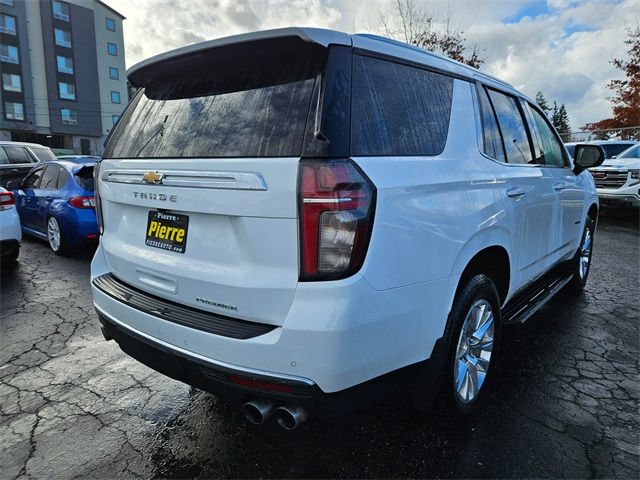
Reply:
x=565, y=402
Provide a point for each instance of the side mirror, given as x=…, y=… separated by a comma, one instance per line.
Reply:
x=14, y=185
x=587, y=156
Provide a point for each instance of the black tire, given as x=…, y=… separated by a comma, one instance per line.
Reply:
x=477, y=291
x=580, y=276
x=11, y=258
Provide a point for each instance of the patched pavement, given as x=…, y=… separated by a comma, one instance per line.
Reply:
x=565, y=403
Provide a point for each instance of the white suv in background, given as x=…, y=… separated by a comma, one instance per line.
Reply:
x=305, y=220
x=618, y=179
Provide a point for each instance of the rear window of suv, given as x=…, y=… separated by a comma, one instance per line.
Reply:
x=228, y=113
x=398, y=109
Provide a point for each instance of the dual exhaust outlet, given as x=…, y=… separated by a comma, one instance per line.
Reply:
x=288, y=417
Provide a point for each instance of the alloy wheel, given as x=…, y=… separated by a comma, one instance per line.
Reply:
x=473, y=352
x=585, y=254
x=53, y=233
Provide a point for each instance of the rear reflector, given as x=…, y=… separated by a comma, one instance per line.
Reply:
x=337, y=204
x=82, y=202
x=260, y=385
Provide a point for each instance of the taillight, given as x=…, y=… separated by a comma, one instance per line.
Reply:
x=82, y=202
x=336, y=203
x=96, y=192
x=6, y=200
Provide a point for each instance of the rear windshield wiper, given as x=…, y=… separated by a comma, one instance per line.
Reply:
x=159, y=131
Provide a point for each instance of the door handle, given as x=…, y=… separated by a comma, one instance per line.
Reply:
x=559, y=186
x=515, y=192
x=48, y=198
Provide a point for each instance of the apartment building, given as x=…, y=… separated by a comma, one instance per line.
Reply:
x=63, y=72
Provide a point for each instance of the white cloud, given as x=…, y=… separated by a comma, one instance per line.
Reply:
x=536, y=53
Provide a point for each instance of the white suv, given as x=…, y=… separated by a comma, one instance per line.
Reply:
x=304, y=220
x=618, y=179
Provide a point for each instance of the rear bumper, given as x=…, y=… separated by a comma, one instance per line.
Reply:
x=10, y=225
x=336, y=334
x=236, y=382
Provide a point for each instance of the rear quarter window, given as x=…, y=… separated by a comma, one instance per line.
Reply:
x=85, y=178
x=398, y=109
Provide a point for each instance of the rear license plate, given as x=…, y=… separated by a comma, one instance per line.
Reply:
x=167, y=231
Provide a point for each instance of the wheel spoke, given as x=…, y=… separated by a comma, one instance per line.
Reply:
x=483, y=328
x=462, y=374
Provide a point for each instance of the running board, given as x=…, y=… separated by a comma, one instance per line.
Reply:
x=525, y=304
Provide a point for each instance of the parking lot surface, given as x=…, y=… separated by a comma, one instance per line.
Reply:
x=565, y=402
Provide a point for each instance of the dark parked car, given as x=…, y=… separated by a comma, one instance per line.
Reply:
x=55, y=202
x=17, y=159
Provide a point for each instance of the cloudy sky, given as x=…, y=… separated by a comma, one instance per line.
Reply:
x=562, y=47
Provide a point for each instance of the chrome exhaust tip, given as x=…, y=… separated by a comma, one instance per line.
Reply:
x=290, y=417
x=257, y=411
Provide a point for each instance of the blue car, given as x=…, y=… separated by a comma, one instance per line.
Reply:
x=55, y=202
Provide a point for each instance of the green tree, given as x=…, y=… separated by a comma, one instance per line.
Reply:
x=563, y=124
x=542, y=102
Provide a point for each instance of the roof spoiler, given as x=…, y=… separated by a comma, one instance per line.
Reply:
x=167, y=63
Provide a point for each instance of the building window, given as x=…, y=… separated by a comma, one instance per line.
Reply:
x=65, y=64
x=11, y=82
x=115, y=118
x=61, y=10
x=111, y=24
x=13, y=111
x=112, y=49
x=69, y=117
x=8, y=3
x=67, y=91
x=114, y=74
x=63, y=38
x=115, y=97
x=9, y=54
x=8, y=24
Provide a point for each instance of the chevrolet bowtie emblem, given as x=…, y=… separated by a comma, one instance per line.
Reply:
x=153, y=177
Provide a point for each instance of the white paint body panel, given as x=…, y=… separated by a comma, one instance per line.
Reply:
x=433, y=214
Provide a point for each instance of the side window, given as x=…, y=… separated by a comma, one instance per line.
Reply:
x=4, y=159
x=50, y=178
x=33, y=180
x=63, y=177
x=17, y=154
x=512, y=126
x=493, y=145
x=397, y=109
x=549, y=150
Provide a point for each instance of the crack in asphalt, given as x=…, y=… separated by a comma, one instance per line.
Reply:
x=565, y=403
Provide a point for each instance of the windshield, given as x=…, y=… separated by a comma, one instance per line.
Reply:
x=633, y=152
x=42, y=153
x=253, y=110
x=613, y=149
x=570, y=149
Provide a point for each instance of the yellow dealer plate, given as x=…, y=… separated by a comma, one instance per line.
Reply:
x=167, y=231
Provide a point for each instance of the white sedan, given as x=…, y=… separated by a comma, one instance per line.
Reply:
x=10, y=231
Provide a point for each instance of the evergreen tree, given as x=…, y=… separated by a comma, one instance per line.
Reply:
x=554, y=115
x=542, y=102
x=563, y=124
